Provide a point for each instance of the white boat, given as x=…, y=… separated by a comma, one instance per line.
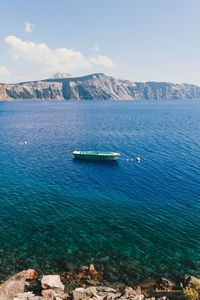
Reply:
x=96, y=155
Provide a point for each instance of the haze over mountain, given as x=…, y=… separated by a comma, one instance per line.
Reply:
x=59, y=75
x=97, y=87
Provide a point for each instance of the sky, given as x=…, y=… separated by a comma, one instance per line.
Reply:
x=138, y=40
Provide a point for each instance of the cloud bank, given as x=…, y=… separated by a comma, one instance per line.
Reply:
x=53, y=60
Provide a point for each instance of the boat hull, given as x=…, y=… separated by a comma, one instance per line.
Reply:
x=89, y=155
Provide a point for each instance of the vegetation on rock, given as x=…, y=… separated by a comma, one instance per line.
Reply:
x=191, y=291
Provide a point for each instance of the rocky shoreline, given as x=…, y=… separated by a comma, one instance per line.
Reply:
x=88, y=284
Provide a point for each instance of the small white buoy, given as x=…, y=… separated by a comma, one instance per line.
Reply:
x=138, y=159
x=23, y=143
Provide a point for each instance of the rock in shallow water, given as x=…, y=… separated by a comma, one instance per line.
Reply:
x=166, y=283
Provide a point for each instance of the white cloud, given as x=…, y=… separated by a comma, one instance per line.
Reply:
x=52, y=60
x=4, y=71
x=29, y=27
x=95, y=48
x=60, y=59
x=102, y=61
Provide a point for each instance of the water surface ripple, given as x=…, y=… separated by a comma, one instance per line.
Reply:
x=131, y=220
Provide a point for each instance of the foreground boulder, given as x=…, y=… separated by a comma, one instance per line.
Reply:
x=54, y=294
x=27, y=296
x=26, y=286
x=53, y=288
x=15, y=284
x=52, y=282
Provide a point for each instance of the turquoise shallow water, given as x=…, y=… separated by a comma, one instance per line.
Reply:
x=131, y=220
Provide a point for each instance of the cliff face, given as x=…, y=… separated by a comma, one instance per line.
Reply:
x=3, y=95
x=35, y=90
x=97, y=87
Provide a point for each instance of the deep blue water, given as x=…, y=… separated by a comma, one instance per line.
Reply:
x=131, y=220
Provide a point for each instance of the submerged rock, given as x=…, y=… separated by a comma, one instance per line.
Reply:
x=93, y=271
x=172, y=295
x=84, y=268
x=167, y=284
x=148, y=284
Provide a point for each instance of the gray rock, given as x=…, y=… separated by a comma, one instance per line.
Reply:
x=80, y=294
x=99, y=290
x=167, y=283
x=27, y=296
x=153, y=298
x=95, y=292
x=13, y=286
x=3, y=95
x=102, y=293
x=54, y=294
x=130, y=293
x=106, y=293
x=52, y=282
x=30, y=296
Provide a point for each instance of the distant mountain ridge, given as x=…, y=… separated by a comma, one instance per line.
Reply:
x=97, y=87
x=61, y=75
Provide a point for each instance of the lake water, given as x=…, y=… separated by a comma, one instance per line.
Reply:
x=131, y=220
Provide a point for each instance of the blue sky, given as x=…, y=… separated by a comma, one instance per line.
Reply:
x=140, y=40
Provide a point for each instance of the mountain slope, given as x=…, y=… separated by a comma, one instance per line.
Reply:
x=61, y=75
x=97, y=86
